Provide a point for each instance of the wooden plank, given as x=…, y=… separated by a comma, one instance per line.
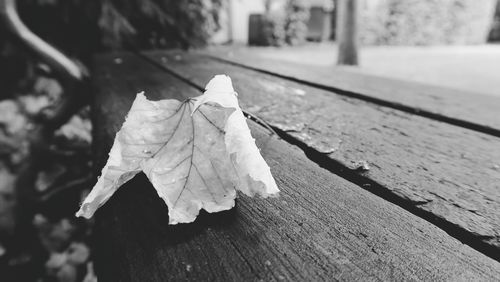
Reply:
x=447, y=174
x=471, y=110
x=321, y=228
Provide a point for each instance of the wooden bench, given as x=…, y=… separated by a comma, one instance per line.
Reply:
x=380, y=180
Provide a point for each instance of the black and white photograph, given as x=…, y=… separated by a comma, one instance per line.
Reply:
x=249, y=140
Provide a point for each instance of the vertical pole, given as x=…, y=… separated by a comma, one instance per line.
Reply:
x=230, y=18
x=328, y=8
x=347, y=32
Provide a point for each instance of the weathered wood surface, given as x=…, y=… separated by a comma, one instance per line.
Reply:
x=321, y=228
x=448, y=174
x=473, y=110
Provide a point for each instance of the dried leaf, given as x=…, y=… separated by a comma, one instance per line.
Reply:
x=54, y=236
x=90, y=276
x=195, y=153
x=76, y=129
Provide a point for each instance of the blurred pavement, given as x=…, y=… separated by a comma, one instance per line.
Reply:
x=472, y=68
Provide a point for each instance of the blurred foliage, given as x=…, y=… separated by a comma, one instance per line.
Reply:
x=273, y=30
x=427, y=22
x=159, y=23
x=76, y=25
x=82, y=27
x=50, y=245
x=297, y=15
x=286, y=26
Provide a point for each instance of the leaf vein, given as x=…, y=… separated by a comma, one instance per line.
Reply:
x=213, y=124
x=176, y=166
x=191, y=165
x=205, y=183
x=213, y=167
x=173, y=132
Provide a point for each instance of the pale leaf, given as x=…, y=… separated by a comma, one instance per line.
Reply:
x=195, y=153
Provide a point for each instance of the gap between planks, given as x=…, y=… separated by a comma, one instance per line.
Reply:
x=378, y=101
x=339, y=169
x=333, y=231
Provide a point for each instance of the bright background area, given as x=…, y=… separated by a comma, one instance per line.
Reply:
x=474, y=68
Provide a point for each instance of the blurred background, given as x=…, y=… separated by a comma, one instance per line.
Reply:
x=450, y=43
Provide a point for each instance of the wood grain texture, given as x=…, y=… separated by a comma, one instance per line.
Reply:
x=321, y=228
x=458, y=107
x=447, y=171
